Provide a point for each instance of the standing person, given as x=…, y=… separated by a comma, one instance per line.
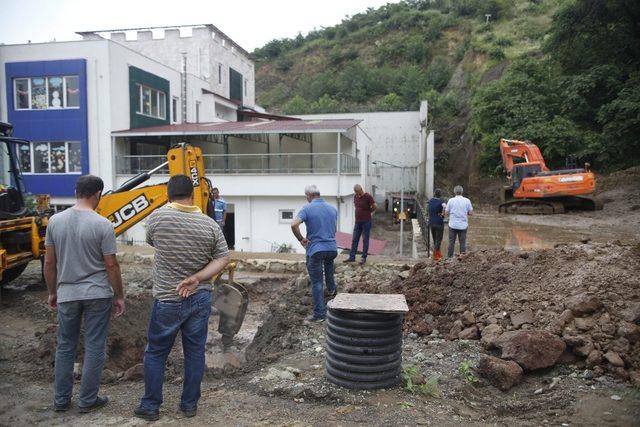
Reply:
x=458, y=209
x=190, y=250
x=320, y=219
x=217, y=208
x=365, y=205
x=84, y=283
x=436, y=221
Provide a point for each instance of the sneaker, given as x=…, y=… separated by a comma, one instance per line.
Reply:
x=62, y=408
x=349, y=260
x=331, y=295
x=99, y=403
x=362, y=261
x=189, y=412
x=147, y=414
x=313, y=319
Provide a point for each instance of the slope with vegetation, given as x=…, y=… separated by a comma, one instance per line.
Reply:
x=564, y=74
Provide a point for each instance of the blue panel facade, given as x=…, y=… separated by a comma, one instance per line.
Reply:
x=52, y=125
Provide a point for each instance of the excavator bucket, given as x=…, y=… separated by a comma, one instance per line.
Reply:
x=231, y=300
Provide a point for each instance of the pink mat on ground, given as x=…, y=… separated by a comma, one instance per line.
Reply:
x=376, y=247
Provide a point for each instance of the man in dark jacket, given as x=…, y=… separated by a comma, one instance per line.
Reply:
x=364, y=206
x=436, y=221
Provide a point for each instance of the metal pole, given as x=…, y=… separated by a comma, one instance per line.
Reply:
x=402, y=213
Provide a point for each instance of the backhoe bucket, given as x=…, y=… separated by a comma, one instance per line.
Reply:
x=231, y=300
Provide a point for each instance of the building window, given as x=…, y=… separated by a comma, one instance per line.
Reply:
x=197, y=111
x=285, y=216
x=219, y=74
x=174, y=109
x=246, y=83
x=46, y=93
x=152, y=102
x=50, y=157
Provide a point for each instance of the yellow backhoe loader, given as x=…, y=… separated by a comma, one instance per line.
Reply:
x=23, y=228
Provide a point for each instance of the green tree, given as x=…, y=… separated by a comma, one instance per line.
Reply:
x=297, y=105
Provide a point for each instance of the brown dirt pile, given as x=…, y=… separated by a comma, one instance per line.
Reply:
x=588, y=294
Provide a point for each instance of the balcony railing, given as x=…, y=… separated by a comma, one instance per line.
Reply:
x=281, y=163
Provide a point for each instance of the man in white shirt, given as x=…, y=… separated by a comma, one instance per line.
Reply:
x=458, y=209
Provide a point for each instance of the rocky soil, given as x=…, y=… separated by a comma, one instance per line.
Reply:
x=576, y=303
x=495, y=337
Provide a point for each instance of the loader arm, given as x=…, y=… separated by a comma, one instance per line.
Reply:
x=130, y=204
x=126, y=209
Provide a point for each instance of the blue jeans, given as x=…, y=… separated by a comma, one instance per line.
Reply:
x=317, y=264
x=191, y=317
x=363, y=229
x=96, y=314
x=462, y=235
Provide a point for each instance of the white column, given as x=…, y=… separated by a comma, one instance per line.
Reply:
x=429, y=166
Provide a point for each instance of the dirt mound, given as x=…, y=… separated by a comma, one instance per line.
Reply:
x=278, y=336
x=125, y=343
x=587, y=294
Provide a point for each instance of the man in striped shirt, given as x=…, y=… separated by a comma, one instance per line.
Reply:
x=190, y=250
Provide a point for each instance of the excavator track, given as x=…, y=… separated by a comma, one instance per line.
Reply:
x=532, y=207
x=550, y=206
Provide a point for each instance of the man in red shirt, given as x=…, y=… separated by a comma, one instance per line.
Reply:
x=364, y=205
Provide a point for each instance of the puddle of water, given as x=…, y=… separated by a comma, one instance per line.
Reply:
x=488, y=230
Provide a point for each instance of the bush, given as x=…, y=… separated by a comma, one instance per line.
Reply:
x=438, y=73
x=496, y=54
x=297, y=105
x=503, y=41
x=390, y=102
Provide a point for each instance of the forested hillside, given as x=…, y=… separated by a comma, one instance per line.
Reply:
x=564, y=74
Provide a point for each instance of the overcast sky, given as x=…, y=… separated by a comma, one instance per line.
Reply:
x=251, y=23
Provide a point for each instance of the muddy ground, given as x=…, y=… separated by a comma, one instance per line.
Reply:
x=273, y=374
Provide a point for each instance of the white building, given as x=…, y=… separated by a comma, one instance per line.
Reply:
x=100, y=106
x=399, y=138
x=202, y=51
x=261, y=169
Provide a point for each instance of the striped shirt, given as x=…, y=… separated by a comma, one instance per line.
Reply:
x=185, y=240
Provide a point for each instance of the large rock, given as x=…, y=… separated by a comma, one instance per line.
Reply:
x=584, y=323
x=632, y=313
x=468, y=318
x=630, y=331
x=490, y=335
x=583, y=303
x=613, y=358
x=134, y=373
x=470, y=333
x=455, y=330
x=503, y=374
x=531, y=349
x=519, y=319
x=594, y=358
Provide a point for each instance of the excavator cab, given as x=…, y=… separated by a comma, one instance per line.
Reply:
x=12, y=201
x=521, y=171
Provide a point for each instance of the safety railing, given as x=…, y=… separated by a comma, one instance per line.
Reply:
x=422, y=215
x=273, y=163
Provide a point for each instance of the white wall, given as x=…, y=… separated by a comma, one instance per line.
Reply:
x=204, y=49
x=395, y=138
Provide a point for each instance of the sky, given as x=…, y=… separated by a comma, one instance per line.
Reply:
x=250, y=23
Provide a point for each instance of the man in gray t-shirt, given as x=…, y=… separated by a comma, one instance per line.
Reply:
x=84, y=282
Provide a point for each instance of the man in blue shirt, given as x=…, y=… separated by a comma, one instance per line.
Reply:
x=320, y=219
x=217, y=208
x=459, y=208
x=436, y=222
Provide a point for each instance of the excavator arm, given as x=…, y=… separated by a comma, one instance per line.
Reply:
x=512, y=150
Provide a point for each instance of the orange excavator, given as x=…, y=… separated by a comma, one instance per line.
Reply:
x=534, y=189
